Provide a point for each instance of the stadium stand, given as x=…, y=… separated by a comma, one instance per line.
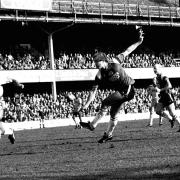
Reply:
x=146, y=2
x=79, y=61
x=15, y=58
x=28, y=105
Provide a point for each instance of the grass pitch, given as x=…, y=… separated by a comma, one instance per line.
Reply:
x=136, y=152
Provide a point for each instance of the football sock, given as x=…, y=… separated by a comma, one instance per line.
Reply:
x=112, y=124
x=160, y=119
x=176, y=118
x=98, y=117
x=151, y=119
x=165, y=115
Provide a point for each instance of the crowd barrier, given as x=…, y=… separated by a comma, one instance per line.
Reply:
x=17, y=126
x=32, y=76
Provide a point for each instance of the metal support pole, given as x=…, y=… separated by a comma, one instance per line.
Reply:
x=51, y=58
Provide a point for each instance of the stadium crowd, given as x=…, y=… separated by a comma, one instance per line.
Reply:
x=28, y=107
x=79, y=61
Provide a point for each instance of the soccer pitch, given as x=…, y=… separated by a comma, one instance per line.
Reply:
x=136, y=152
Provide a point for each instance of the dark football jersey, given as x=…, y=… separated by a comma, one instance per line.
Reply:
x=10, y=89
x=114, y=77
x=162, y=82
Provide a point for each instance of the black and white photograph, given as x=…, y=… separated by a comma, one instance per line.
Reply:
x=89, y=89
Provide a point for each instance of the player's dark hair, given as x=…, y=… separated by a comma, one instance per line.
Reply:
x=100, y=56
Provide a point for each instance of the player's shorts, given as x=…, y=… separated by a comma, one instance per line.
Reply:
x=76, y=113
x=166, y=99
x=154, y=103
x=117, y=98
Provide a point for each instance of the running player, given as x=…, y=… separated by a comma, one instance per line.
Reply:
x=115, y=77
x=77, y=104
x=4, y=130
x=166, y=97
x=154, y=95
x=8, y=89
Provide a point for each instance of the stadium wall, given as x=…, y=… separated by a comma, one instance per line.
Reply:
x=32, y=76
x=17, y=126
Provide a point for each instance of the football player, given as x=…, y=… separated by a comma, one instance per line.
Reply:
x=77, y=104
x=154, y=95
x=166, y=97
x=8, y=89
x=111, y=75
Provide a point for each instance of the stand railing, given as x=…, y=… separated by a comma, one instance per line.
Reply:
x=112, y=9
x=74, y=11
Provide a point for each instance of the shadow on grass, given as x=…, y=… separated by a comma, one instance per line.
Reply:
x=143, y=173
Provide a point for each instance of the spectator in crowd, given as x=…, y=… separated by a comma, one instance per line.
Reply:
x=83, y=61
x=62, y=108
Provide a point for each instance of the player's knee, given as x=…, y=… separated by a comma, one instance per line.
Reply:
x=151, y=111
x=113, y=117
x=172, y=114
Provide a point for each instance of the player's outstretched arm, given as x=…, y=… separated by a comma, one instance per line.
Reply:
x=12, y=81
x=131, y=48
x=17, y=84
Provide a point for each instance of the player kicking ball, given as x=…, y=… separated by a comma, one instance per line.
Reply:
x=111, y=75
